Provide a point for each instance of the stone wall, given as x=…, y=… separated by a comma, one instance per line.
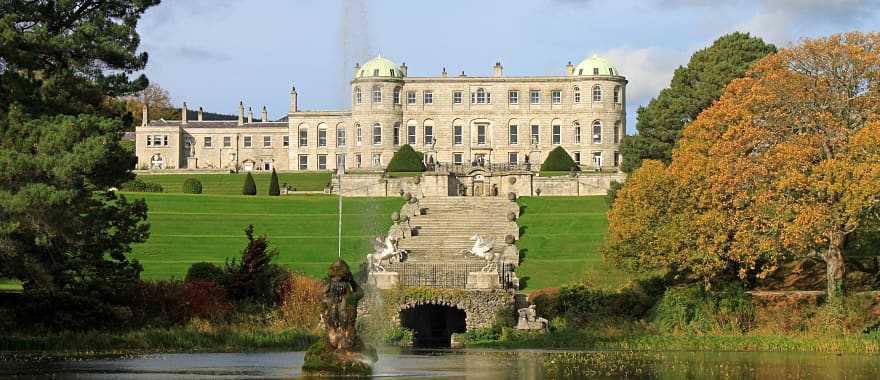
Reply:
x=480, y=306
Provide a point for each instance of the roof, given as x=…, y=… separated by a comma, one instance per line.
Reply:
x=379, y=67
x=218, y=124
x=595, y=65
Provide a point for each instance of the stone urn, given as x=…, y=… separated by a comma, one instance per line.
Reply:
x=511, y=196
x=407, y=196
x=511, y=180
x=509, y=239
x=417, y=179
x=395, y=216
x=511, y=216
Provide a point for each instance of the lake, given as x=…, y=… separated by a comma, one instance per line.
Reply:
x=470, y=364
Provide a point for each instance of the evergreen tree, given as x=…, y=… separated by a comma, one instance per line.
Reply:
x=274, y=187
x=406, y=159
x=558, y=161
x=249, y=187
x=693, y=88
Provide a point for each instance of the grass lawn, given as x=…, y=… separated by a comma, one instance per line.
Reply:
x=190, y=228
x=561, y=242
x=230, y=184
x=9, y=285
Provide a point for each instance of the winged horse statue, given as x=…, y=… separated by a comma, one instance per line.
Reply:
x=384, y=250
x=483, y=250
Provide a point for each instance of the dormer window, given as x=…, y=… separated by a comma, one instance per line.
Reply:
x=392, y=72
x=580, y=71
x=375, y=72
x=595, y=71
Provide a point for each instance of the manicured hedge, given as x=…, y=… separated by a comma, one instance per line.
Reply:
x=192, y=186
x=249, y=187
x=406, y=159
x=274, y=187
x=558, y=160
x=141, y=186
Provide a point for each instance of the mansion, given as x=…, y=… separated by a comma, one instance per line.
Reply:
x=452, y=119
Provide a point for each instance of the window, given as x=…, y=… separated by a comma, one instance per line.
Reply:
x=617, y=94
x=536, y=134
x=556, y=96
x=456, y=134
x=227, y=141
x=597, y=132
x=595, y=71
x=429, y=134
x=481, y=96
x=513, y=134
x=513, y=97
x=617, y=132
x=577, y=94
x=357, y=95
x=303, y=162
x=340, y=136
x=597, y=159
x=359, y=134
x=149, y=140
x=247, y=141
x=267, y=141
x=207, y=142
x=512, y=158
x=322, y=162
x=322, y=136
x=377, y=160
x=397, y=95
x=481, y=134
x=457, y=158
x=410, y=97
x=456, y=97
x=375, y=72
x=597, y=93
x=303, y=137
x=377, y=134
x=557, y=134
x=577, y=133
x=411, y=134
x=616, y=159
x=377, y=95
x=535, y=96
x=285, y=141
x=164, y=140
x=577, y=158
x=358, y=162
x=428, y=97
x=396, y=134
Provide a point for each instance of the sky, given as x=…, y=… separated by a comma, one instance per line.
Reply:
x=215, y=53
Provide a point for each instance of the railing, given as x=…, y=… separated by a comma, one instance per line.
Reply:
x=466, y=168
x=441, y=275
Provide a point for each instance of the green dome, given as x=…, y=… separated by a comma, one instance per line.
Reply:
x=379, y=67
x=595, y=65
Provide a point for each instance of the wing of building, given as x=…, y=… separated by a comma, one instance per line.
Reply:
x=453, y=119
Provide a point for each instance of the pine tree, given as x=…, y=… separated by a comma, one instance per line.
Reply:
x=249, y=187
x=274, y=187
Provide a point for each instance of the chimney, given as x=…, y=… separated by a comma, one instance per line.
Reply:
x=264, y=115
x=145, y=115
x=569, y=69
x=443, y=74
x=250, y=115
x=462, y=74
x=498, y=69
x=183, y=113
x=240, y=113
x=357, y=67
x=293, y=107
x=199, y=114
x=403, y=69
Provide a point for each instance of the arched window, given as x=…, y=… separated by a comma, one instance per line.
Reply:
x=340, y=135
x=322, y=134
x=358, y=134
x=577, y=94
x=597, y=93
x=397, y=95
x=577, y=133
x=377, y=134
x=358, y=98
x=377, y=94
x=481, y=96
x=396, y=139
x=597, y=132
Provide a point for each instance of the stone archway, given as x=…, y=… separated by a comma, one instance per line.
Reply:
x=433, y=324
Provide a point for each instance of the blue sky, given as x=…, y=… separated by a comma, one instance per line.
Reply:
x=213, y=53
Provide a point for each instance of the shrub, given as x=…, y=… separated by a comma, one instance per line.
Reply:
x=546, y=302
x=192, y=186
x=398, y=336
x=300, y=303
x=205, y=271
x=611, y=195
x=274, y=187
x=64, y=310
x=206, y=299
x=690, y=308
x=559, y=160
x=139, y=185
x=161, y=303
x=249, y=187
x=406, y=159
x=255, y=278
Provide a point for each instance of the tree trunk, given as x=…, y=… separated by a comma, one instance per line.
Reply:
x=836, y=266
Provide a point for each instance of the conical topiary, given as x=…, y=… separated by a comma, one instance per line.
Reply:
x=250, y=187
x=274, y=188
x=558, y=161
x=406, y=159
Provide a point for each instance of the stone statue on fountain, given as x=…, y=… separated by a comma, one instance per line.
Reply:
x=483, y=249
x=386, y=249
x=529, y=320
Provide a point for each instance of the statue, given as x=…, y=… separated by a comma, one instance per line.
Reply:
x=384, y=251
x=341, y=352
x=483, y=250
x=529, y=320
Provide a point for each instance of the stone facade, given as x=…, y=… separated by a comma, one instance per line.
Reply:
x=452, y=119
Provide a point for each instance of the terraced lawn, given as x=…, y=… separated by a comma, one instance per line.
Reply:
x=231, y=184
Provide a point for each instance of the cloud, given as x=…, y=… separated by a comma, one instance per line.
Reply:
x=784, y=21
x=648, y=70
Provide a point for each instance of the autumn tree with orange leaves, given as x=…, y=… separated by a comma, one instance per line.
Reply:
x=786, y=164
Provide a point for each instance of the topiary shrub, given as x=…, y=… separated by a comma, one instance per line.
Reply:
x=140, y=186
x=249, y=187
x=558, y=161
x=274, y=188
x=192, y=186
x=205, y=271
x=406, y=159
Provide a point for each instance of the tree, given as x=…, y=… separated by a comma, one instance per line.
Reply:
x=62, y=230
x=693, y=88
x=158, y=101
x=254, y=278
x=786, y=164
x=558, y=160
x=406, y=159
x=274, y=187
x=249, y=187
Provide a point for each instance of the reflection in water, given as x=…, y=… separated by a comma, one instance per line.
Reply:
x=473, y=364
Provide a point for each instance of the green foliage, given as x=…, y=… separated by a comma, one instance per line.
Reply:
x=321, y=361
x=691, y=308
x=398, y=336
x=611, y=195
x=254, y=278
x=205, y=271
x=274, y=187
x=406, y=159
x=138, y=185
x=231, y=183
x=249, y=187
x=192, y=186
x=558, y=160
x=693, y=88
